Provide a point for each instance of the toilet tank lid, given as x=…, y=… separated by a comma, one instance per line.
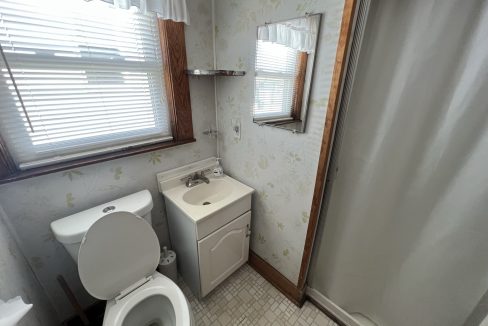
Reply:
x=71, y=229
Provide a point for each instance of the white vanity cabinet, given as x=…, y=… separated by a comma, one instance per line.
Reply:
x=206, y=258
x=223, y=251
x=209, y=223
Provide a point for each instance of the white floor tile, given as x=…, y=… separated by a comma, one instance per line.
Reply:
x=246, y=298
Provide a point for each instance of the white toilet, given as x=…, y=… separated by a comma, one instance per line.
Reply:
x=117, y=253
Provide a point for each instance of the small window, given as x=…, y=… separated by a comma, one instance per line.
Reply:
x=274, y=89
x=90, y=77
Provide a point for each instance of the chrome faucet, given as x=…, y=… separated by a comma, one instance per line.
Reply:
x=195, y=179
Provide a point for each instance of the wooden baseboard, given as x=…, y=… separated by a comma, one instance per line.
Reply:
x=274, y=277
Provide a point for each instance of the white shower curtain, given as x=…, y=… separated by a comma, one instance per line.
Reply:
x=405, y=240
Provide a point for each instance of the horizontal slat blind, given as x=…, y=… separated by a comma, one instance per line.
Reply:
x=275, y=80
x=90, y=77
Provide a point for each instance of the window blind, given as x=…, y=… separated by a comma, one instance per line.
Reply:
x=275, y=71
x=90, y=77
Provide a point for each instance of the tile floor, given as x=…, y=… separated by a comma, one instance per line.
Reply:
x=246, y=298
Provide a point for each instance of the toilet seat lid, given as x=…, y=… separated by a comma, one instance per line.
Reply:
x=117, y=251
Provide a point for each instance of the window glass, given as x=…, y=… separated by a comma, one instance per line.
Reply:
x=90, y=77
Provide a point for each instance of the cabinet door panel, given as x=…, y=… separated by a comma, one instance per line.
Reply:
x=223, y=252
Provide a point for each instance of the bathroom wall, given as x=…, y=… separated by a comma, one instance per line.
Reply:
x=280, y=165
x=31, y=205
x=17, y=279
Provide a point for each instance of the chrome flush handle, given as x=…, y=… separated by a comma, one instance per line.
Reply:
x=108, y=209
x=248, y=232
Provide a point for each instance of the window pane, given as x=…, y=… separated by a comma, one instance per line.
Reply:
x=275, y=80
x=90, y=77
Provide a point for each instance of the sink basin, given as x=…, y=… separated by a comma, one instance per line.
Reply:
x=208, y=194
x=221, y=199
x=203, y=200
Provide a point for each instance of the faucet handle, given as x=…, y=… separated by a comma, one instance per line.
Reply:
x=196, y=175
x=206, y=171
x=187, y=178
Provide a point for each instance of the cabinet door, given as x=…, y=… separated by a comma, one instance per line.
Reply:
x=222, y=252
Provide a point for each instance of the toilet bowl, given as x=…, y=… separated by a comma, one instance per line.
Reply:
x=156, y=303
x=117, y=260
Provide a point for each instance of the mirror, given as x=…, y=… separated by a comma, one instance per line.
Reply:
x=285, y=55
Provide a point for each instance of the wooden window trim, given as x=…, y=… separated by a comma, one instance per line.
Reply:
x=299, y=87
x=173, y=48
x=172, y=35
x=20, y=175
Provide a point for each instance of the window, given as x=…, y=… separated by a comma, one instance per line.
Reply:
x=275, y=81
x=90, y=78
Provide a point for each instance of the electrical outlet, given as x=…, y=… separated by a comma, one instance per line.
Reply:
x=236, y=128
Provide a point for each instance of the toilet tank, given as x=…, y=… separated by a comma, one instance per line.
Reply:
x=71, y=229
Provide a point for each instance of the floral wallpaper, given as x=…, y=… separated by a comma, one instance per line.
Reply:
x=17, y=279
x=280, y=165
x=31, y=205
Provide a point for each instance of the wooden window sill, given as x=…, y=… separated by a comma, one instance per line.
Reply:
x=92, y=160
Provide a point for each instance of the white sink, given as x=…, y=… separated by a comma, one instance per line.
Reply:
x=208, y=194
x=221, y=196
x=202, y=200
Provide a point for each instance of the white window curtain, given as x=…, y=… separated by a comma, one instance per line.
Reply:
x=274, y=87
x=90, y=77
x=299, y=34
x=165, y=9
